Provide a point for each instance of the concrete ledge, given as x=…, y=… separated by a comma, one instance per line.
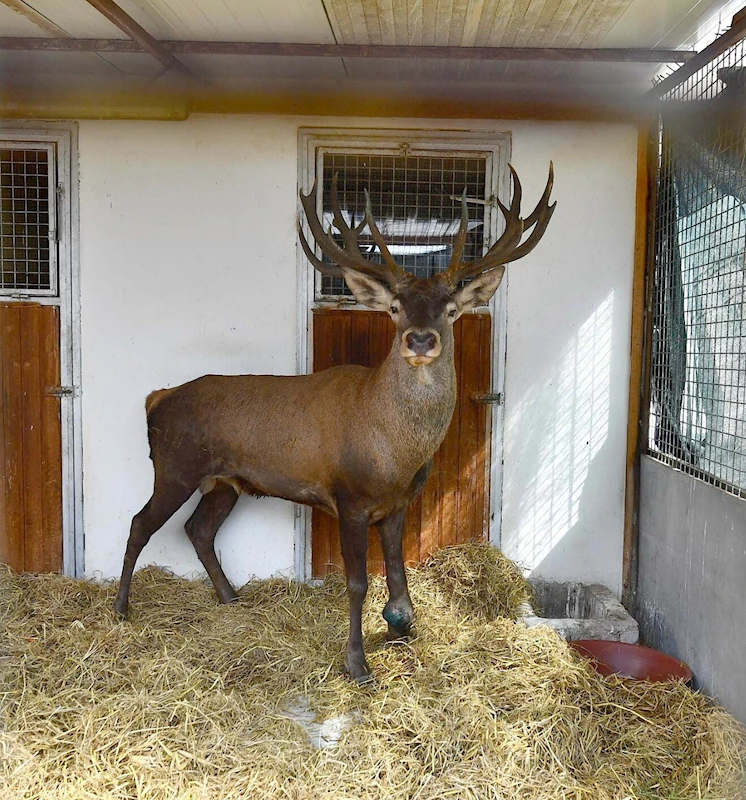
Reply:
x=579, y=611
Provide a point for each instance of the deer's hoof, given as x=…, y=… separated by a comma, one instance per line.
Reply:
x=399, y=634
x=120, y=608
x=357, y=668
x=399, y=618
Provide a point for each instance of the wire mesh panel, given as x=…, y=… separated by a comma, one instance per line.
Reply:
x=698, y=365
x=27, y=258
x=416, y=202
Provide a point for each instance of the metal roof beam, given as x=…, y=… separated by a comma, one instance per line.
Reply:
x=733, y=35
x=165, y=51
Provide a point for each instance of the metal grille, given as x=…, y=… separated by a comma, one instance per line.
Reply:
x=698, y=365
x=26, y=261
x=416, y=203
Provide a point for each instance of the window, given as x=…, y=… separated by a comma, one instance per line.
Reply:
x=415, y=188
x=698, y=359
x=416, y=201
x=28, y=238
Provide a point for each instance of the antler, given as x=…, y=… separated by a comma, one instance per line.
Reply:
x=348, y=256
x=508, y=247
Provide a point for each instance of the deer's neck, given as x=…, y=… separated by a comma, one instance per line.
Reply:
x=418, y=401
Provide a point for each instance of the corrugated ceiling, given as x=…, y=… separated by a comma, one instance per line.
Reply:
x=463, y=23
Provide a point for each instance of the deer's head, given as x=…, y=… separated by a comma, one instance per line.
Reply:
x=423, y=309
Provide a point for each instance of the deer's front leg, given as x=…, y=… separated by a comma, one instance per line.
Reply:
x=398, y=612
x=353, y=534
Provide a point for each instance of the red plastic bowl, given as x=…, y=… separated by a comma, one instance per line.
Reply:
x=631, y=661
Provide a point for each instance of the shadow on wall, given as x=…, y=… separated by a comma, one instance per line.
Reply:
x=555, y=496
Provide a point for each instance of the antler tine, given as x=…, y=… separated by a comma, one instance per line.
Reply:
x=508, y=248
x=394, y=269
x=325, y=269
x=350, y=257
x=349, y=235
x=463, y=231
x=543, y=203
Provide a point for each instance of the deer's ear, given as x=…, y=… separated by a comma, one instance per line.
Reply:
x=478, y=291
x=368, y=291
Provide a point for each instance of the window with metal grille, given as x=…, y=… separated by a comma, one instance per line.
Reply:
x=416, y=202
x=698, y=359
x=28, y=257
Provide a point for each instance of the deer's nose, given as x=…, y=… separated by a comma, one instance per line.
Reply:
x=421, y=343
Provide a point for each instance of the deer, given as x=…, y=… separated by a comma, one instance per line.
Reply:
x=353, y=441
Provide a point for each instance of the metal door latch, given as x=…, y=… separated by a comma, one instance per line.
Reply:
x=495, y=399
x=60, y=391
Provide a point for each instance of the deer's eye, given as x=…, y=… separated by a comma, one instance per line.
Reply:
x=452, y=313
x=394, y=310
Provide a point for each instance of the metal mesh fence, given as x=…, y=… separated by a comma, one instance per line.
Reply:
x=25, y=258
x=698, y=359
x=416, y=202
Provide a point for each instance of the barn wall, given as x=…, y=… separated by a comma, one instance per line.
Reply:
x=692, y=578
x=188, y=266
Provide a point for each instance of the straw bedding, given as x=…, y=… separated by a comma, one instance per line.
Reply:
x=187, y=699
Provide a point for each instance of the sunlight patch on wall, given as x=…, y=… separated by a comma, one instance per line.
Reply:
x=567, y=431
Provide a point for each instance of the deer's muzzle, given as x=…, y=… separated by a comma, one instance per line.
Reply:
x=420, y=346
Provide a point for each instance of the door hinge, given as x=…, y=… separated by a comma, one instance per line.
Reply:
x=60, y=391
x=490, y=399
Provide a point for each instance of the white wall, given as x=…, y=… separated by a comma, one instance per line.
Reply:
x=188, y=266
x=567, y=372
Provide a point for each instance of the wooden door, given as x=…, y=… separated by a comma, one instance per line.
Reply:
x=30, y=438
x=454, y=507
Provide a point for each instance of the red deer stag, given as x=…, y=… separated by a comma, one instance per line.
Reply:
x=353, y=441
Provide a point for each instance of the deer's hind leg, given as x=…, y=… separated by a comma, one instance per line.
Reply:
x=168, y=497
x=202, y=527
x=353, y=538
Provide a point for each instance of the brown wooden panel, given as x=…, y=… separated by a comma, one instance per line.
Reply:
x=484, y=453
x=12, y=535
x=30, y=438
x=454, y=505
x=31, y=442
x=6, y=556
x=470, y=416
x=449, y=474
x=50, y=554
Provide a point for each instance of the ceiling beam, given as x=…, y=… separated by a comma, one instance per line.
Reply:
x=139, y=35
x=107, y=104
x=166, y=50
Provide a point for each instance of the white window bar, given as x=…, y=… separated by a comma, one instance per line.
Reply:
x=28, y=219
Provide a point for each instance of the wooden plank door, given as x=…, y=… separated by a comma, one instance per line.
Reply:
x=30, y=438
x=454, y=506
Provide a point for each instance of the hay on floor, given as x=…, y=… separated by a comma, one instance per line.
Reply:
x=188, y=699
